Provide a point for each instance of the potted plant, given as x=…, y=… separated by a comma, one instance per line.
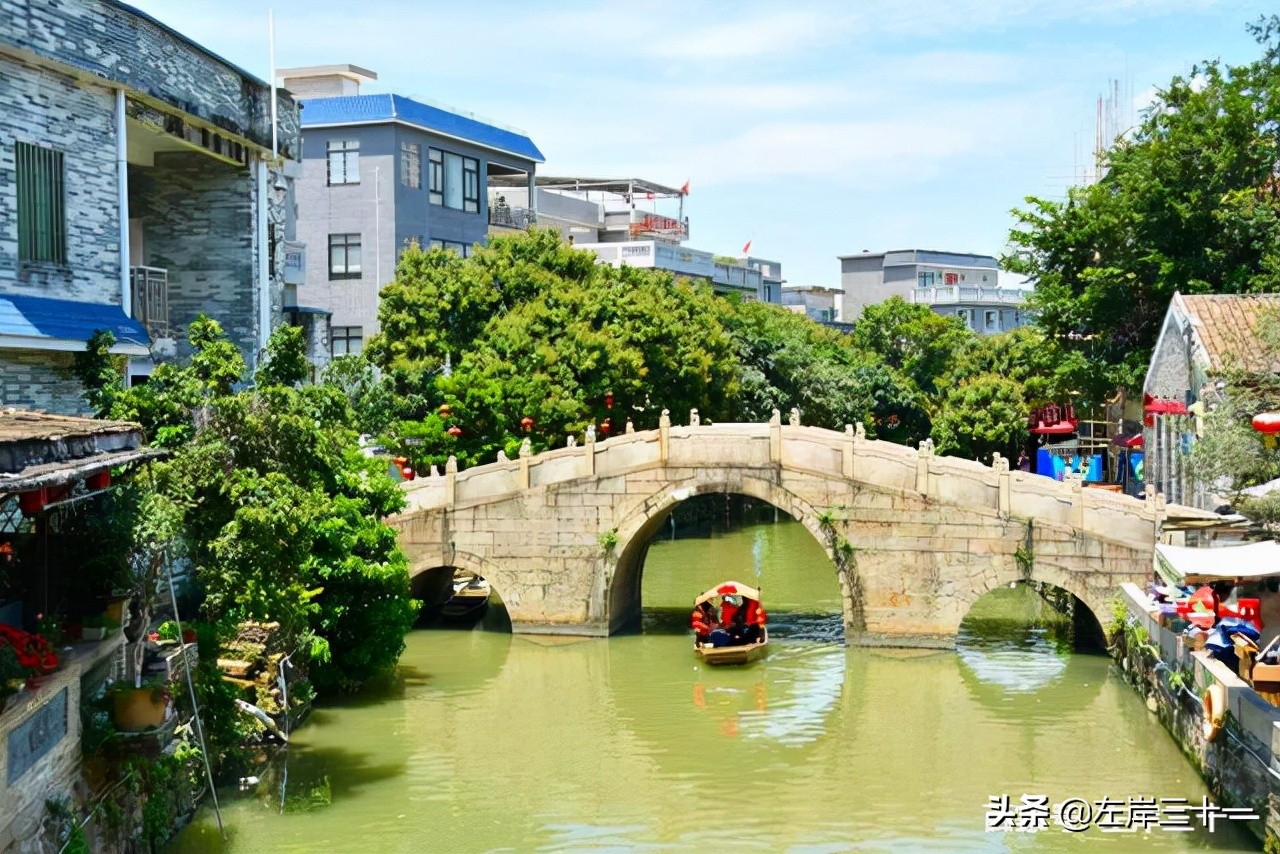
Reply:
x=94, y=627
x=138, y=708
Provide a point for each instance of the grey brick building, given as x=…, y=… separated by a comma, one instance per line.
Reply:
x=382, y=171
x=138, y=188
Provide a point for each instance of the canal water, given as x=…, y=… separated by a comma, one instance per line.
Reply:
x=486, y=741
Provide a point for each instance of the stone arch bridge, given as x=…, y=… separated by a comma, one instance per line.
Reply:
x=915, y=539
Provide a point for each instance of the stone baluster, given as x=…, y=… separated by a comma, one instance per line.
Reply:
x=694, y=418
x=795, y=417
x=631, y=428
x=775, y=437
x=1000, y=465
x=450, y=480
x=589, y=452
x=847, y=449
x=664, y=435
x=1075, y=482
x=502, y=456
x=923, y=456
x=526, y=451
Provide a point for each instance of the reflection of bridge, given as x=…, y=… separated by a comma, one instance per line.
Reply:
x=915, y=538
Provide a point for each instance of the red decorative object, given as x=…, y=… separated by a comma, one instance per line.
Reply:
x=1053, y=420
x=99, y=479
x=445, y=410
x=407, y=472
x=526, y=423
x=606, y=426
x=608, y=400
x=32, y=502
x=455, y=431
x=188, y=635
x=1267, y=422
x=1162, y=406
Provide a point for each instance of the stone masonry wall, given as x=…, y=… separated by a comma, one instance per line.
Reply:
x=109, y=40
x=48, y=109
x=198, y=222
x=36, y=379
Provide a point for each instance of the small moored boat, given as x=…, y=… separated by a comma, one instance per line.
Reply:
x=720, y=647
x=470, y=598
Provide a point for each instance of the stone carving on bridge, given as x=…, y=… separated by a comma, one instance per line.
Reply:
x=999, y=462
x=775, y=419
x=502, y=456
x=664, y=420
x=926, y=448
x=860, y=432
x=435, y=472
x=694, y=418
x=591, y=434
x=631, y=428
x=795, y=417
x=571, y=442
x=451, y=465
x=526, y=447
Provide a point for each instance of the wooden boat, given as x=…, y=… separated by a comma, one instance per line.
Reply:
x=741, y=653
x=469, y=600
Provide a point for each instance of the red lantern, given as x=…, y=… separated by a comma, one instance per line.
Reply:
x=32, y=502
x=455, y=431
x=526, y=423
x=407, y=472
x=608, y=400
x=445, y=410
x=606, y=426
x=1267, y=423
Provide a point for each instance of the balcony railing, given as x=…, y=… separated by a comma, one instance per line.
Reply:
x=150, y=299
x=509, y=217
x=946, y=294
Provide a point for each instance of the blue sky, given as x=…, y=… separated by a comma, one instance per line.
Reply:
x=813, y=129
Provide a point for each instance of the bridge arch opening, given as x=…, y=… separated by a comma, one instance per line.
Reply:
x=458, y=597
x=701, y=534
x=1021, y=636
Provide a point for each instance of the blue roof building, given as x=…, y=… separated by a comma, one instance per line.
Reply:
x=380, y=172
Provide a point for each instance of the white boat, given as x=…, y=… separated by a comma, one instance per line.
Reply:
x=469, y=600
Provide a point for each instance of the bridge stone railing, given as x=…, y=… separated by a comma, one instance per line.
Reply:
x=848, y=455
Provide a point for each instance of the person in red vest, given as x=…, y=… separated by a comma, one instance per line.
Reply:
x=728, y=607
x=704, y=622
x=755, y=620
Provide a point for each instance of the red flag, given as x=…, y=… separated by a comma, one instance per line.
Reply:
x=684, y=190
x=648, y=196
x=746, y=250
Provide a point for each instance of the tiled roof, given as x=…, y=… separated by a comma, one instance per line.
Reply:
x=1227, y=327
x=358, y=109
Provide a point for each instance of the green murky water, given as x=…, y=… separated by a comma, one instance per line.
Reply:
x=489, y=742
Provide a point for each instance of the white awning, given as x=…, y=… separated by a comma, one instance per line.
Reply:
x=1181, y=565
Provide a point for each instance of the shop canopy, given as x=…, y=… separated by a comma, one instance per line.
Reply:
x=1182, y=565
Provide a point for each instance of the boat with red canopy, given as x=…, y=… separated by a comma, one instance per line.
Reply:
x=721, y=647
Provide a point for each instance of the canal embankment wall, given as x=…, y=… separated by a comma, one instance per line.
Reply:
x=1241, y=763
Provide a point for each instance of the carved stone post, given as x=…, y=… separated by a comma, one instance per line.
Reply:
x=631, y=428
x=589, y=452
x=847, y=449
x=1075, y=481
x=526, y=450
x=694, y=418
x=450, y=480
x=795, y=417
x=664, y=435
x=1000, y=465
x=775, y=437
x=922, y=466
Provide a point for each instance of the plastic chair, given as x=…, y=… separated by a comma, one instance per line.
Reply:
x=1250, y=609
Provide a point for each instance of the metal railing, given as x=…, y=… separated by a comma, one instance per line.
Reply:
x=969, y=293
x=512, y=217
x=150, y=298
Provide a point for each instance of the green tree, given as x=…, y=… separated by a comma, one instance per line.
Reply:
x=982, y=415
x=1189, y=202
x=911, y=338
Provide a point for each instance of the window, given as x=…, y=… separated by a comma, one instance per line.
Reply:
x=410, y=165
x=346, y=340
x=454, y=180
x=926, y=279
x=344, y=161
x=42, y=223
x=991, y=321
x=463, y=249
x=344, y=256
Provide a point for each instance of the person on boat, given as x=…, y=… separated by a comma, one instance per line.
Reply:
x=728, y=609
x=738, y=627
x=704, y=622
x=755, y=618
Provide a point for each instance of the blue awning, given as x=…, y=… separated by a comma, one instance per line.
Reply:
x=38, y=323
